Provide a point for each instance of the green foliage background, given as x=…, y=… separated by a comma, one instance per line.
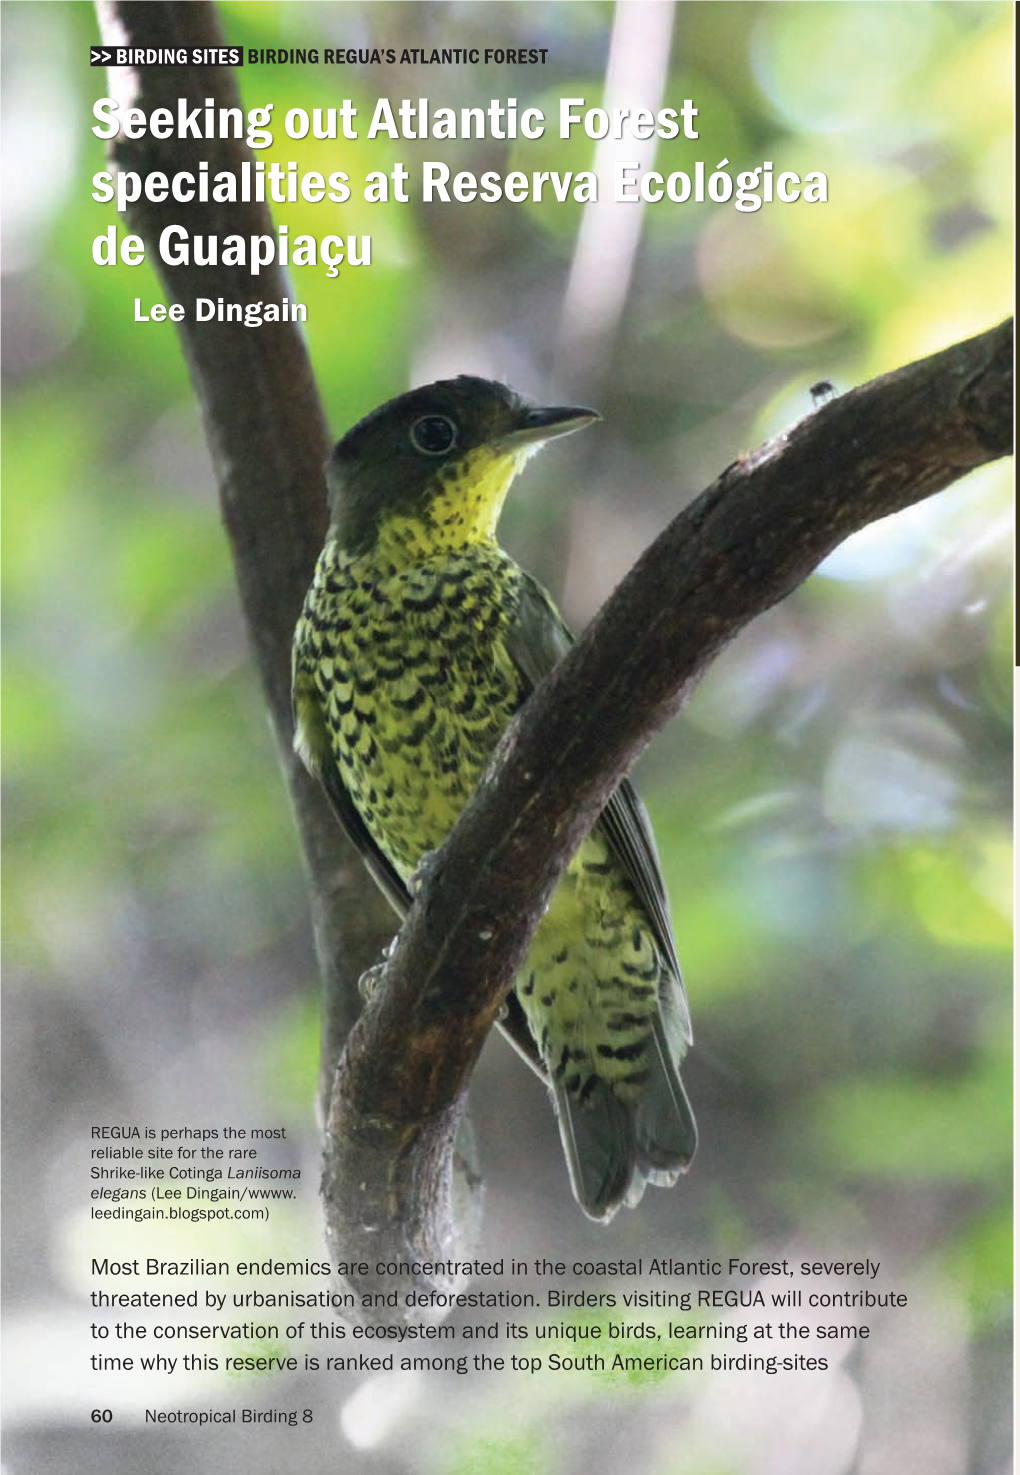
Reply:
x=833, y=809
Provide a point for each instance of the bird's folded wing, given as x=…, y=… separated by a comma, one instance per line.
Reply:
x=314, y=746
x=537, y=642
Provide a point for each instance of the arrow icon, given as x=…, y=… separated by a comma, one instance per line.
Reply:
x=100, y=56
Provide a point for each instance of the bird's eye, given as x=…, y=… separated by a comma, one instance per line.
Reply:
x=433, y=434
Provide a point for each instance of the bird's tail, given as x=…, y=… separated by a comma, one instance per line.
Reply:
x=615, y=1147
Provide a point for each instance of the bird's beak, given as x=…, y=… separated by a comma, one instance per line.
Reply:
x=540, y=425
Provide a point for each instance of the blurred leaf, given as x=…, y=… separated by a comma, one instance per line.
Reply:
x=922, y=1130
x=981, y=1263
x=513, y=1454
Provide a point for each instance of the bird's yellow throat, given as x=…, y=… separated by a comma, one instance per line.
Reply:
x=461, y=511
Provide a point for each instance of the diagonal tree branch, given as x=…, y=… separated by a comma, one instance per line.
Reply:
x=743, y=545
x=397, y=1097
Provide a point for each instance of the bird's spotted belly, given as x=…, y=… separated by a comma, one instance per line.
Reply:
x=413, y=740
x=416, y=693
x=590, y=986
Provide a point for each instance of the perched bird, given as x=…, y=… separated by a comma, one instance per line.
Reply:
x=420, y=638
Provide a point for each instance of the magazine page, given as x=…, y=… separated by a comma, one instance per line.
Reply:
x=508, y=738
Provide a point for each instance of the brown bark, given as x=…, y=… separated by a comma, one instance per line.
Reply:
x=268, y=440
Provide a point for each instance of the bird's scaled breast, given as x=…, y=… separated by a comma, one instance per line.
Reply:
x=422, y=689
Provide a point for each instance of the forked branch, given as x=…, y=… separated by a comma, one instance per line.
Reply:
x=396, y=1099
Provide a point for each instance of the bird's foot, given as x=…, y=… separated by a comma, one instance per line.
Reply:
x=422, y=871
x=371, y=978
